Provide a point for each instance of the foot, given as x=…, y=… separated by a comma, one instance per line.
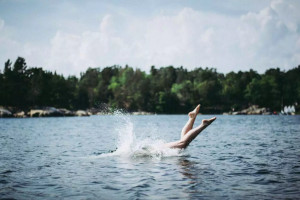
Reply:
x=195, y=112
x=207, y=122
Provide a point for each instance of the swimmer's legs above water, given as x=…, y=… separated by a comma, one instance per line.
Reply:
x=188, y=134
x=189, y=125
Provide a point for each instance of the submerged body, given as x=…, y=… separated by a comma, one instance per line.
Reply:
x=188, y=133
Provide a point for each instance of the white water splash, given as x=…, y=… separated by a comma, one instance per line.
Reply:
x=129, y=146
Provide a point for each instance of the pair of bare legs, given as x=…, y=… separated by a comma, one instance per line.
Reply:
x=188, y=133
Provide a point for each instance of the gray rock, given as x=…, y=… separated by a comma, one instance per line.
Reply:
x=35, y=113
x=81, y=113
x=5, y=113
x=52, y=112
x=141, y=113
x=47, y=112
x=66, y=112
x=20, y=114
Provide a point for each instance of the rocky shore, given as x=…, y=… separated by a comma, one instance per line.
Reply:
x=252, y=110
x=55, y=112
x=42, y=112
x=62, y=112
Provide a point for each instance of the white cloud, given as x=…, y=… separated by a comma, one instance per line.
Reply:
x=192, y=38
x=9, y=48
x=275, y=34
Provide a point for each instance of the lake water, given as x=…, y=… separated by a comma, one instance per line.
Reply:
x=237, y=157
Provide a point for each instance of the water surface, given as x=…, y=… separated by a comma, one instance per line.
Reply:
x=237, y=157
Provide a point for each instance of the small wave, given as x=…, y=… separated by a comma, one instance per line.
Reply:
x=264, y=181
x=144, y=149
x=4, y=181
x=263, y=171
x=6, y=172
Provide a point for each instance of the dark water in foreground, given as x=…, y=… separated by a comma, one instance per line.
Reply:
x=237, y=157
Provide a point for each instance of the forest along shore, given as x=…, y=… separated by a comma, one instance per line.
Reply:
x=56, y=112
x=164, y=90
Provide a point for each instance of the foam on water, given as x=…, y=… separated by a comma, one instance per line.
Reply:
x=128, y=145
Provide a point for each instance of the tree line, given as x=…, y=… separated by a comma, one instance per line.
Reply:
x=163, y=90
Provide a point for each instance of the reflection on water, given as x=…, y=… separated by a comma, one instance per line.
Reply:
x=188, y=169
x=192, y=175
x=237, y=157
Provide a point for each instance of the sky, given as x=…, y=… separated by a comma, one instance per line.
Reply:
x=68, y=36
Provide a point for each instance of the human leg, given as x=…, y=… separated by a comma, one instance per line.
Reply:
x=190, y=135
x=189, y=125
x=193, y=133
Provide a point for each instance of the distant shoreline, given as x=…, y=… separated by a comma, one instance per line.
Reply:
x=62, y=112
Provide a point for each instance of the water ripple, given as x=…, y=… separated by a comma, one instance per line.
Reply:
x=238, y=157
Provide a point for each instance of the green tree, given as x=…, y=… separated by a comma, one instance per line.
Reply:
x=264, y=92
x=15, y=84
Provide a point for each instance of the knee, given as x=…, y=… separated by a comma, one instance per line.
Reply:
x=183, y=144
